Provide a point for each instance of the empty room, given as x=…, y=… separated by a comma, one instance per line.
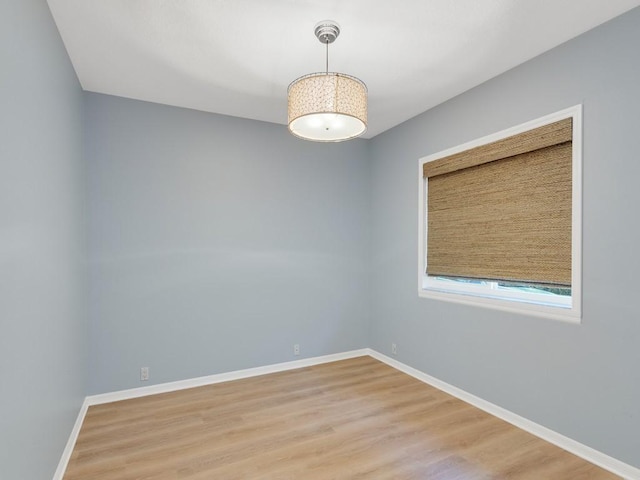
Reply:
x=275, y=239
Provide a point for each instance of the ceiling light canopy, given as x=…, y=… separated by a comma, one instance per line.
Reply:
x=327, y=106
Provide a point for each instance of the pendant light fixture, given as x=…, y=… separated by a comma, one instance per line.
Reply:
x=327, y=107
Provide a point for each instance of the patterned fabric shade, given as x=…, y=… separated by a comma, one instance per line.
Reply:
x=327, y=107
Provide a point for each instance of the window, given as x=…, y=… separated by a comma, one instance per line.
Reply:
x=500, y=220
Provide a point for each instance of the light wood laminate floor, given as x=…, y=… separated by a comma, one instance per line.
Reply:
x=353, y=419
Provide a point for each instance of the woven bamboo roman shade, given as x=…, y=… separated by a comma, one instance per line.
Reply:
x=502, y=211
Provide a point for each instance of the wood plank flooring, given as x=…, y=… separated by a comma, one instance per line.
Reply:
x=353, y=419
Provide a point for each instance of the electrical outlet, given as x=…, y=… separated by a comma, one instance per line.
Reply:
x=296, y=349
x=144, y=374
x=394, y=349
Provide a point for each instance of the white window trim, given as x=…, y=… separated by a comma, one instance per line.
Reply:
x=466, y=294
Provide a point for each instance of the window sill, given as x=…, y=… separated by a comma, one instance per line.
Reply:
x=569, y=315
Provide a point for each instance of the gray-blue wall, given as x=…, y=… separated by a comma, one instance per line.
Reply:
x=582, y=381
x=217, y=243
x=43, y=330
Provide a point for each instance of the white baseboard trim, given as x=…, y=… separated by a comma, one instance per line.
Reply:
x=71, y=442
x=220, y=377
x=611, y=464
